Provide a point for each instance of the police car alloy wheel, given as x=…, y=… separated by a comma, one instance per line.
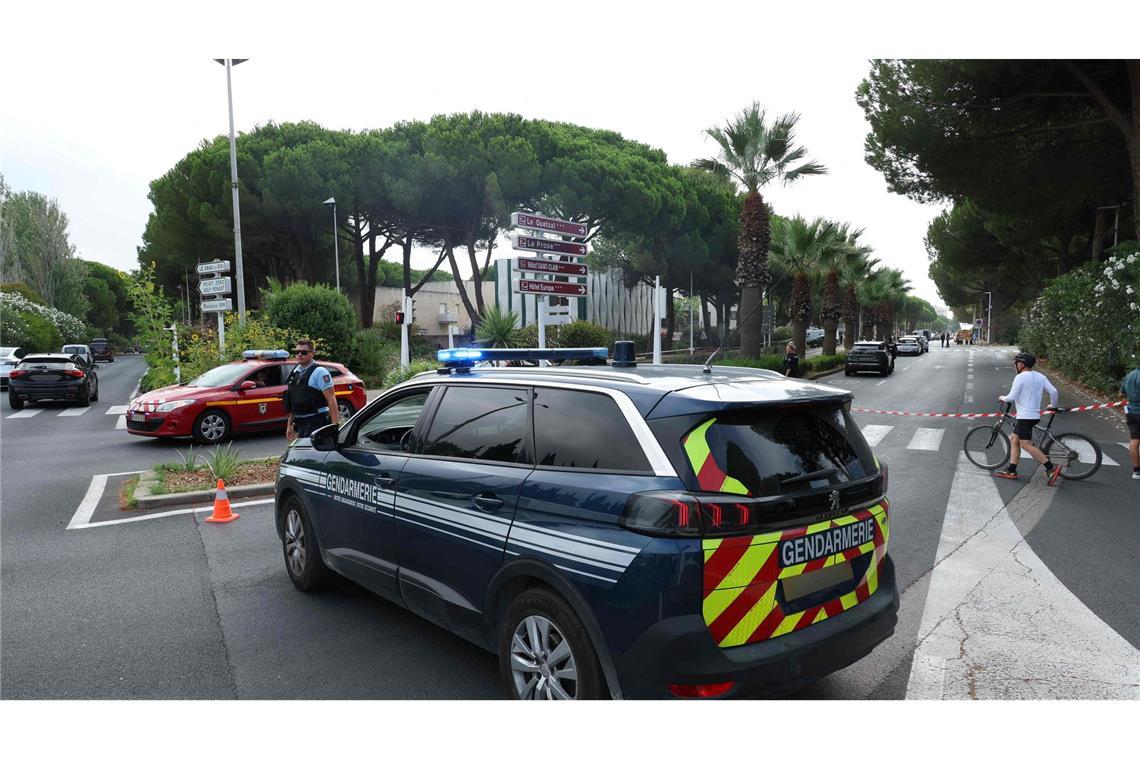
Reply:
x=544, y=650
x=302, y=553
x=211, y=427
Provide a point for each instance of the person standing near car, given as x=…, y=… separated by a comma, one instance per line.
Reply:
x=1130, y=389
x=791, y=360
x=1025, y=395
x=309, y=397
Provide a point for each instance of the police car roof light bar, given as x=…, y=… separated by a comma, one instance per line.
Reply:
x=265, y=353
x=465, y=357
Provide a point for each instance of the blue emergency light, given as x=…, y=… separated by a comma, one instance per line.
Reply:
x=466, y=357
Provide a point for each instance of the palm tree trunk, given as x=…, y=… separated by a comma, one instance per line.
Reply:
x=829, y=340
x=752, y=271
x=801, y=311
x=751, y=340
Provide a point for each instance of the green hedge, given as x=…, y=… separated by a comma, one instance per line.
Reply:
x=316, y=312
x=1087, y=322
x=399, y=375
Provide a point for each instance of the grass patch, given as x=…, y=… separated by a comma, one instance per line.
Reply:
x=243, y=473
x=127, y=500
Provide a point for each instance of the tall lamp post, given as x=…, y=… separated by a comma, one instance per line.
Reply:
x=336, y=241
x=229, y=63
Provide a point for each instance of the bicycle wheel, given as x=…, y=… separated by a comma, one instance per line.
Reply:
x=1078, y=454
x=987, y=446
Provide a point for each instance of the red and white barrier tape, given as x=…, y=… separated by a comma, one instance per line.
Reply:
x=974, y=415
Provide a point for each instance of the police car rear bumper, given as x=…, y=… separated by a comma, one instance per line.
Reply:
x=681, y=651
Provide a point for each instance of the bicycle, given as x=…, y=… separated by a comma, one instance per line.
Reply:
x=987, y=446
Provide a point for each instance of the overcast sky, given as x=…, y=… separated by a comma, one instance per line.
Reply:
x=103, y=105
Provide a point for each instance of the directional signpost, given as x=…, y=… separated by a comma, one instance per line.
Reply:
x=213, y=284
x=532, y=238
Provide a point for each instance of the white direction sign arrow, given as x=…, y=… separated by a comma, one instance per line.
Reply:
x=215, y=266
x=215, y=286
x=218, y=304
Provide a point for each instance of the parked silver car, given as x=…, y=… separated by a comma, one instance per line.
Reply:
x=10, y=356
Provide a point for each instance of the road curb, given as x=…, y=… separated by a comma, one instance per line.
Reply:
x=192, y=497
x=825, y=373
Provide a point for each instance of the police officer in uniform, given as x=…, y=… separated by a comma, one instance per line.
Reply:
x=309, y=399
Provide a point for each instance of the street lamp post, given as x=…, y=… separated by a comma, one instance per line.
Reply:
x=229, y=63
x=336, y=241
x=989, y=317
x=1115, y=222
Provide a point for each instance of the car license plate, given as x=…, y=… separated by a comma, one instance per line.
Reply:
x=138, y=417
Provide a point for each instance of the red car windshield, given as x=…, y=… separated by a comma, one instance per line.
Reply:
x=227, y=374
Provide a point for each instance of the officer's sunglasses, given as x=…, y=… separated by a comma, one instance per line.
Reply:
x=302, y=352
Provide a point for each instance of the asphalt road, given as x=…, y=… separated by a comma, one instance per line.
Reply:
x=178, y=608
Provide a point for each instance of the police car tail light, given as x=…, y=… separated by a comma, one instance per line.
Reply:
x=680, y=513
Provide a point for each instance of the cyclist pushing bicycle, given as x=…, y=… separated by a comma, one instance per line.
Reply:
x=1025, y=395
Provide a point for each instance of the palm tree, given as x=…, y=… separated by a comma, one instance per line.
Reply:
x=848, y=248
x=883, y=291
x=753, y=153
x=801, y=248
x=854, y=271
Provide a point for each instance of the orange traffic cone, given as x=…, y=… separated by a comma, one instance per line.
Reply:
x=222, y=511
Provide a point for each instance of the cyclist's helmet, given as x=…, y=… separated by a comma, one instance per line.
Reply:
x=1027, y=359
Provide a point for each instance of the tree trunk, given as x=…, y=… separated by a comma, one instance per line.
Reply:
x=1098, y=235
x=829, y=328
x=849, y=329
x=705, y=332
x=473, y=312
x=368, y=284
x=799, y=337
x=670, y=320
x=406, y=246
x=1133, y=143
x=751, y=341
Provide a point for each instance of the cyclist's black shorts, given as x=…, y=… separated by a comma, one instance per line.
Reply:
x=1133, y=426
x=1024, y=429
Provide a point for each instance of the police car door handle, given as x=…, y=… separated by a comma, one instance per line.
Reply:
x=487, y=502
x=384, y=481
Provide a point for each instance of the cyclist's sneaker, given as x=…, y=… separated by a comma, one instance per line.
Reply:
x=1054, y=474
x=1007, y=474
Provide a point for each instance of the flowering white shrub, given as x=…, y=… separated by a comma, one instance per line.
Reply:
x=71, y=329
x=1087, y=322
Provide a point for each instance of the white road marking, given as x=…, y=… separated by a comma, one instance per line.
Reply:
x=171, y=513
x=121, y=423
x=926, y=439
x=969, y=386
x=969, y=398
x=24, y=414
x=121, y=409
x=91, y=499
x=74, y=411
x=937, y=366
x=881, y=381
x=1086, y=454
x=135, y=392
x=876, y=433
x=1000, y=623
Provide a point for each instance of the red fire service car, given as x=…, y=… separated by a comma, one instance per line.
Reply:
x=239, y=397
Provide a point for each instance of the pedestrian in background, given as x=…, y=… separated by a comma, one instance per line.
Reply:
x=791, y=361
x=1130, y=389
x=309, y=398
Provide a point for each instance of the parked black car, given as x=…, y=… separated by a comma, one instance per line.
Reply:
x=52, y=377
x=870, y=356
x=101, y=349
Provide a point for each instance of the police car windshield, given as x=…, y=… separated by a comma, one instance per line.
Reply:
x=227, y=374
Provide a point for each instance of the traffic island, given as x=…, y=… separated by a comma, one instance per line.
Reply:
x=171, y=485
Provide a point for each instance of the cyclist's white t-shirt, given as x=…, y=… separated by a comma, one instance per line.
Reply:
x=1025, y=393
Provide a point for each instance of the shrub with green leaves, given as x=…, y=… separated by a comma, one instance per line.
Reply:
x=373, y=356
x=316, y=312
x=37, y=327
x=499, y=329
x=223, y=462
x=582, y=334
x=400, y=374
x=1087, y=322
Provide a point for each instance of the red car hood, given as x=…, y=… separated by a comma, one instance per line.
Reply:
x=173, y=393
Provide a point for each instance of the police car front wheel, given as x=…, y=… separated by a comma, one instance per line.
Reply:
x=544, y=651
x=302, y=554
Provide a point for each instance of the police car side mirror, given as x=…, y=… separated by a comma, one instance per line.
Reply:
x=325, y=438
x=247, y=385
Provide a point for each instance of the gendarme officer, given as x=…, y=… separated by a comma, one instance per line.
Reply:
x=309, y=400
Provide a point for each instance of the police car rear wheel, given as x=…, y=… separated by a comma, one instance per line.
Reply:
x=302, y=555
x=544, y=651
x=212, y=426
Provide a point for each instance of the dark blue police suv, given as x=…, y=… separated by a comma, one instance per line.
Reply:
x=664, y=531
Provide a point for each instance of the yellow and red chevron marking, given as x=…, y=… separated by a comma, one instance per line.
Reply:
x=742, y=575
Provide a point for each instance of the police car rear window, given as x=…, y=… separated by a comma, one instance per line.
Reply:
x=773, y=451
x=491, y=424
x=584, y=430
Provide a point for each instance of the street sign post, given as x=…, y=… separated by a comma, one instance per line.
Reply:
x=521, y=242
x=215, y=286
x=548, y=224
x=218, y=305
x=550, y=267
x=546, y=288
x=217, y=266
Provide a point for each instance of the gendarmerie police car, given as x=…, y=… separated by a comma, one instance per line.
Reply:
x=654, y=531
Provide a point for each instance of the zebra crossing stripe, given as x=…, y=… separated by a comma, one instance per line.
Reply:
x=75, y=411
x=121, y=409
x=24, y=414
x=876, y=433
x=926, y=439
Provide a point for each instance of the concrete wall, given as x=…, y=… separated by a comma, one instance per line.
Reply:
x=437, y=305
